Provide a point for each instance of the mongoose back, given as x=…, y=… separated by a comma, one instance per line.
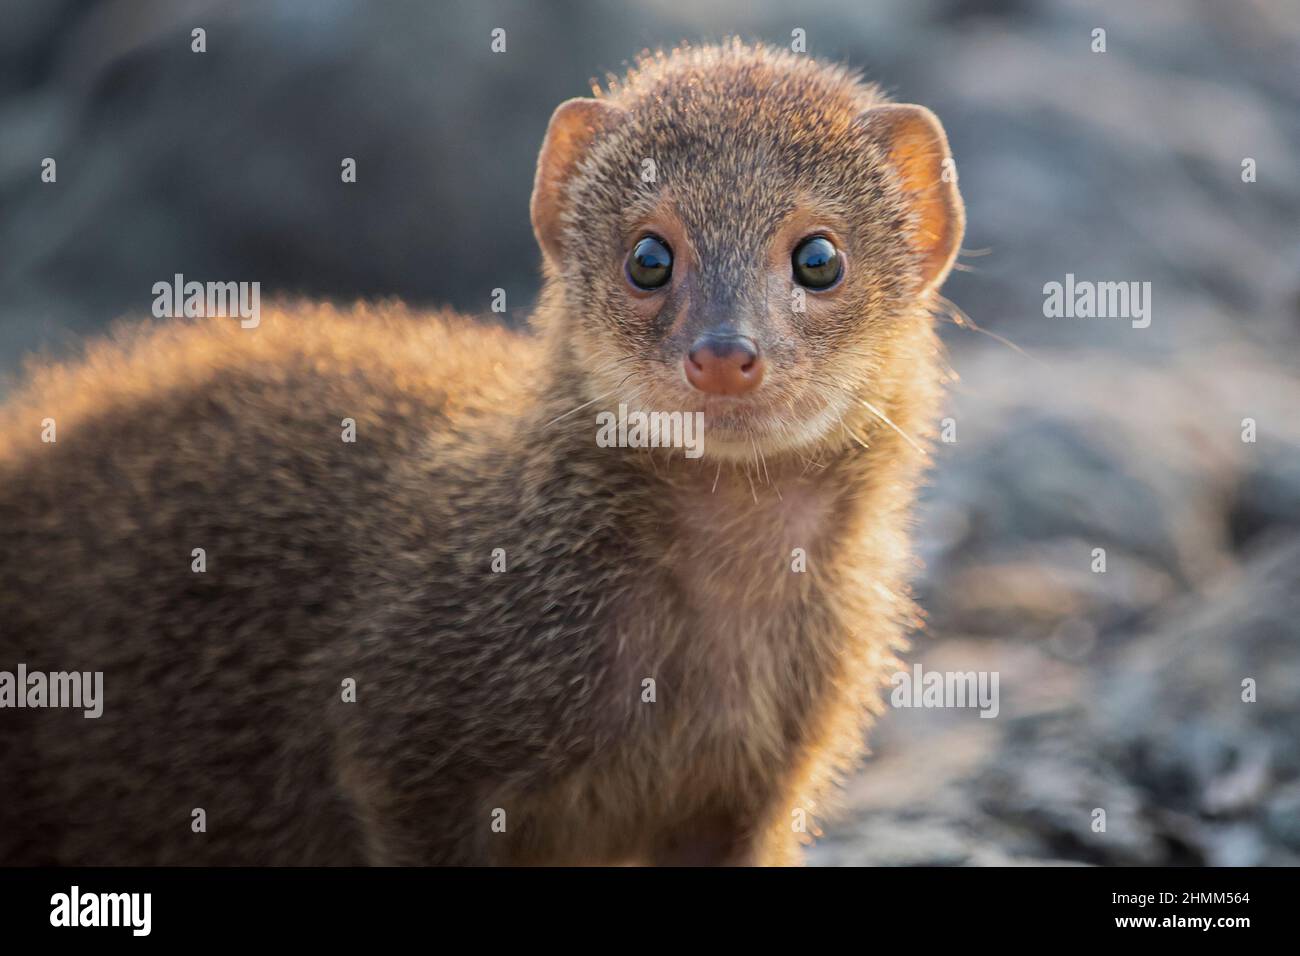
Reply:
x=477, y=633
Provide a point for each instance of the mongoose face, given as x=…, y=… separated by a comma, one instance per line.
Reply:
x=746, y=233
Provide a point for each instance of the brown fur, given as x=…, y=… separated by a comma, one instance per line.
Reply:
x=478, y=690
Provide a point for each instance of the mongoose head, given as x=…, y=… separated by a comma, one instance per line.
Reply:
x=745, y=232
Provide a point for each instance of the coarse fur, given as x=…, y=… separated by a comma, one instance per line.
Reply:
x=651, y=679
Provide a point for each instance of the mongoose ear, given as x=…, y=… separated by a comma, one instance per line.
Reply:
x=573, y=126
x=914, y=141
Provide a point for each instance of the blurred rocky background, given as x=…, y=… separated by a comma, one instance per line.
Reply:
x=1119, y=690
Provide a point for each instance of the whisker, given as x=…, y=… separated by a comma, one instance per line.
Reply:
x=844, y=428
x=880, y=415
x=963, y=321
x=888, y=421
x=584, y=405
x=766, y=474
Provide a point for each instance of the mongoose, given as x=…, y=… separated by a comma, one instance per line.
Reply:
x=474, y=634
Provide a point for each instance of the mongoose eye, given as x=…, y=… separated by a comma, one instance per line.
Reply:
x=651, y=263
x=817, y=263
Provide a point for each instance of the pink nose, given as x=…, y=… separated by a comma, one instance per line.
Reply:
x=727, y=365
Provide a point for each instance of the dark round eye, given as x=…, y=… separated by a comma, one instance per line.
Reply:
x=651, y=263
x=817, y=263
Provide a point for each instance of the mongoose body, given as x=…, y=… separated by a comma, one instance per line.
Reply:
x=561, y=652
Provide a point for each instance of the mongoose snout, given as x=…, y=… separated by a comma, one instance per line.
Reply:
x=721, y=364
